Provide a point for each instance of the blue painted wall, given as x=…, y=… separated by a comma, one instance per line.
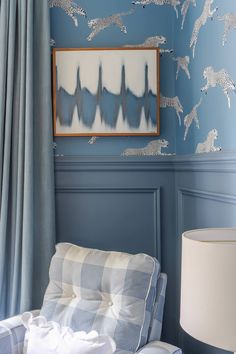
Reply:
x=123, y=205
x=144, y=205
x=205, y=193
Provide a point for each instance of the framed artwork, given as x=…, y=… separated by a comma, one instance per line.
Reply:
x=106, y=91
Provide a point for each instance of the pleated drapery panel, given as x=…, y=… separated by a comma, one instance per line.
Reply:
x=27, y=216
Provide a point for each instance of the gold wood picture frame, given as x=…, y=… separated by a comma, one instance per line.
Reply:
x=106, y=91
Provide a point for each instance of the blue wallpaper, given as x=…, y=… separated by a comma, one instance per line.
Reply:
x=198, y=78
x=148, y=26
x=208, y=120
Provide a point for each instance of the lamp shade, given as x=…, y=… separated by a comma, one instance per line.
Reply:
x=208, y=286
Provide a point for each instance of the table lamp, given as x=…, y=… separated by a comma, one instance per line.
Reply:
x=208, y=286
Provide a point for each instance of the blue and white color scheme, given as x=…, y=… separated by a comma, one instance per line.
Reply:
x=12, y=334
x=209, y=29
x=157, y=315
x=207, y=25
x=173, y=3
x=111, y=292
x=154, y=148
x=99, y=24
x=119, y=96
x=70, y=8
x=44, y=337
x=147, y=25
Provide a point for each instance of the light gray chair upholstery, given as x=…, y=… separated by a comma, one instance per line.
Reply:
x=117, y=294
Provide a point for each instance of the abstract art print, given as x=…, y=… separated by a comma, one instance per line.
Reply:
x=104, y=91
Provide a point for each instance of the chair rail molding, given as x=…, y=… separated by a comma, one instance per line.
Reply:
x=111, y=163
x=208, y=162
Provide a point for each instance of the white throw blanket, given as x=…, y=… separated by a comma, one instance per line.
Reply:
x=51, y=338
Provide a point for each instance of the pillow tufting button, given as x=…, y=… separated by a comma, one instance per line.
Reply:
x=73, y=296
x=110, y=303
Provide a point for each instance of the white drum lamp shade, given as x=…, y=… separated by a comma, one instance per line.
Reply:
x=208, y=286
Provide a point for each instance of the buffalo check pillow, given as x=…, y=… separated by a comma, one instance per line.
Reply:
x=112, y=293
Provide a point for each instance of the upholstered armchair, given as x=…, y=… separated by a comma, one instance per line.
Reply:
x=117, y=294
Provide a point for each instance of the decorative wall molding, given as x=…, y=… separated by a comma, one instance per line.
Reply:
x=219, y=197
x=203, y=194
x=170, y=187
x=156, y=193
x=210, y=162
x=111, y=163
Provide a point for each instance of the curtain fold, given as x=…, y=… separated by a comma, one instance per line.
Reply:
x=27, y=212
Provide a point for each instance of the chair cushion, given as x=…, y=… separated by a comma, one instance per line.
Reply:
x=150, y=305
x=110, y=292
x=157, y=314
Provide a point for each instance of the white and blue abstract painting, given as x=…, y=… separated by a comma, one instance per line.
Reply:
x=106, y=91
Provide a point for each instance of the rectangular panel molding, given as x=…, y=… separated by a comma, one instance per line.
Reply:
x=200, y=194
x=66, y=193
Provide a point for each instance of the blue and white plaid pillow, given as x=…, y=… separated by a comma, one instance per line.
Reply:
x=110, y=292
x=150, y=304
x=157, y=313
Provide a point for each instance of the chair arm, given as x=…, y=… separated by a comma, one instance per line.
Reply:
x=12, y=333
x=157, y=347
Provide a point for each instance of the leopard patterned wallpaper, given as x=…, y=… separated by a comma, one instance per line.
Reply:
x=198, y=72
x=207, y=38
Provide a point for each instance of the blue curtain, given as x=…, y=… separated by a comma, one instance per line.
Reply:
x=27, y=229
